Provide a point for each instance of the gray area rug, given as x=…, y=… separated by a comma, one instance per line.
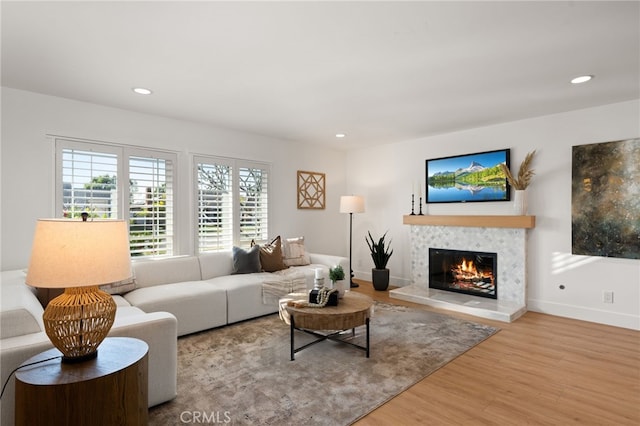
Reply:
x=242, y=373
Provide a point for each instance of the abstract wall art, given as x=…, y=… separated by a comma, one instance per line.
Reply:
x=605, y=199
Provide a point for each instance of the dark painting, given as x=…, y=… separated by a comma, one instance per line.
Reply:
x=606, y=199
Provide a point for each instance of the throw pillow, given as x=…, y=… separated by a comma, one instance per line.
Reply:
x=120, y=287
x=271, y=256
x=295, y=253
x=246, y=261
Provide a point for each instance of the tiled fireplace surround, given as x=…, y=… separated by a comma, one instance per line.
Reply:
x=510, y=245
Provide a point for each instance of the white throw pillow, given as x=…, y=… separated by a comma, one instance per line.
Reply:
x=294, y=252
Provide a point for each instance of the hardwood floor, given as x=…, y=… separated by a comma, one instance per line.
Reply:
x=538, y=370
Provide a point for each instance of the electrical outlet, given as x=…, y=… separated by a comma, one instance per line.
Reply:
x=607, y=296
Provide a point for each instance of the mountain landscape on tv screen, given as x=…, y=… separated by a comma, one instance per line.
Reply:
x=475, y=174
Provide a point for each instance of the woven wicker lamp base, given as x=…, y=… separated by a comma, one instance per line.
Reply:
x=78, y=320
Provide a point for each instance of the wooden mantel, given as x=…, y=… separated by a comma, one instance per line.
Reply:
x=502, y=221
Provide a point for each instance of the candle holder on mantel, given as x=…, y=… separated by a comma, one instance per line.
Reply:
x=420, y=213
x=412, y=203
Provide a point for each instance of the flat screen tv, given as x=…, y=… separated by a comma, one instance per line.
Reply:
x=468, y=178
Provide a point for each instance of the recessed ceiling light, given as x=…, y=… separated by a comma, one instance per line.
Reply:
x=581, y=79
x=142, y=91
x=340, y=135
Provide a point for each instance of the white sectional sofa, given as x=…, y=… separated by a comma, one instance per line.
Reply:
x=202, y=292
x=172, y=297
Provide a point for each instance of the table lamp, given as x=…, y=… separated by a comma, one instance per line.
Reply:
x=79, y=256
x=351, y=204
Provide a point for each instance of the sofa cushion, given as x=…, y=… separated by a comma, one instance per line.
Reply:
x=246, y=261
x=215, y=264
x=166, y=271
x=127, y=311
x=121, y=302
x=20, y=310
x=271, y=259
x=244, y=295
x=197, y=305
x=295, y=253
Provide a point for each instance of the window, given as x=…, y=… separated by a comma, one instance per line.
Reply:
x=89, y=183
x=232, y=203
x=150, y=206
x=114, y=182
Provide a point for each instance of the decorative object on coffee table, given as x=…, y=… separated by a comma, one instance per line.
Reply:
x=351, y=204
x=380, y=253
x=79, y=256
x=321, y=296
x=336, y=275
x=311, y=193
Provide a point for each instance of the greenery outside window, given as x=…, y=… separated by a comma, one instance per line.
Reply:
x=112, y=182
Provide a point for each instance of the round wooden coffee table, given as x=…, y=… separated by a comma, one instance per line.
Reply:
x=353, y=310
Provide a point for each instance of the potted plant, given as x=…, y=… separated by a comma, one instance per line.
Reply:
x=336, y=275
x=380, y=253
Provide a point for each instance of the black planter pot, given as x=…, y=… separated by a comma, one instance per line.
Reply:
x=380, y=278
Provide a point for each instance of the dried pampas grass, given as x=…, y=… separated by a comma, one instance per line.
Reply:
x=525, y=174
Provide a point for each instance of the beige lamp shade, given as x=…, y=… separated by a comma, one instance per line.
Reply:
x=351, y=204
x=72, y=253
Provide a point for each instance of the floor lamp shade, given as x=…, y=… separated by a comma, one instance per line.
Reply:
x=351, y=204
x=79, y=256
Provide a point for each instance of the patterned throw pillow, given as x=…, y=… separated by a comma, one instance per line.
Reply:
x=246, y=261
x=271, y=256
x=295, y=253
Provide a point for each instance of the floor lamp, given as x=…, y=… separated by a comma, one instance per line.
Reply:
x=351, y=204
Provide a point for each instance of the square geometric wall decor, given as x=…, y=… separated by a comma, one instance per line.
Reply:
x=605, y=193
x=311, y=190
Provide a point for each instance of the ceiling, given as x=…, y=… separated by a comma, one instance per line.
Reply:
x=380, y=72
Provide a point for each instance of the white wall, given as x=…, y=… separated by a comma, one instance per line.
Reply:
x=27, y=172
x=384, y=176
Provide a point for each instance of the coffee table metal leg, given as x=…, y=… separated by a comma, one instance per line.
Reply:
x=293, y=328
x=367, y=322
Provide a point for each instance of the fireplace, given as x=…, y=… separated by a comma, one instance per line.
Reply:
x=468, y=272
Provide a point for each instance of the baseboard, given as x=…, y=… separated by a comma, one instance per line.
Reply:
x=394, y=281
x=615, y=319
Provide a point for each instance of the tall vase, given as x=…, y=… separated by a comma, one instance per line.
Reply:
x=520, y=202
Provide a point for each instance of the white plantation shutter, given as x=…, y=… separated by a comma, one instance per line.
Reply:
x=116, y=182
x=232, y=203
x=150, y=206
x=253, y=204
x=89, y=184
x=214, y=197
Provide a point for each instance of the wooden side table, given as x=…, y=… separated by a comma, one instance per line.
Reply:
x=111, y=389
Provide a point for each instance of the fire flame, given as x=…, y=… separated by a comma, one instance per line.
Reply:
x=467, y=271
x=468, y=267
